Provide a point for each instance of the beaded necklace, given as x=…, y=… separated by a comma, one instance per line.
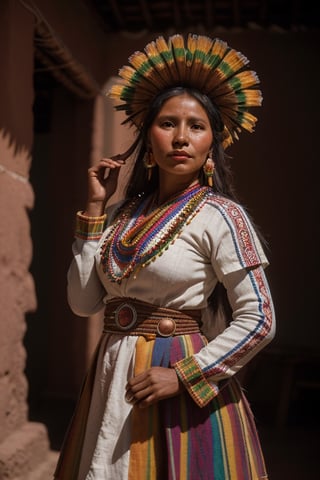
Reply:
x=138, y=237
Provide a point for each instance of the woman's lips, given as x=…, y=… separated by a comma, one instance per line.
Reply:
x=179, y=155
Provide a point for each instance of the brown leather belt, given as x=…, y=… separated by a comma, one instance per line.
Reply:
x=128, y=316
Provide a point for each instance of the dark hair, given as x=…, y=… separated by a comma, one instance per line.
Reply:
x=222, y=180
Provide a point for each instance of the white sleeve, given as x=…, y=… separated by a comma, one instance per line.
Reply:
x=238, y=260
x=84, y=289
x=251, y=329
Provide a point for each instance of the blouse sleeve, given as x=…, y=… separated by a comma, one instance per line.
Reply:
x=84, y=289
x=238, y=260
x=232, y=243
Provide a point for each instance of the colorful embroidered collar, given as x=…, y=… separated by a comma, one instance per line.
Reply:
x=139, y=234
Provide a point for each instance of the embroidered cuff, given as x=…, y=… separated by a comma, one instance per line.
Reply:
x=195, y=382
x=89, y=228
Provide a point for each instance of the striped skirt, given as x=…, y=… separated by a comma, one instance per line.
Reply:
x=174, y=439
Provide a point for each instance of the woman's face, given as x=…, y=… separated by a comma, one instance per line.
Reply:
x=181, y=137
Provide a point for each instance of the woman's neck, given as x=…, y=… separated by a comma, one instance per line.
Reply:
x=169, y=189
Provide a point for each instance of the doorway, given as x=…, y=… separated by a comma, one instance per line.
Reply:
x=55, y=339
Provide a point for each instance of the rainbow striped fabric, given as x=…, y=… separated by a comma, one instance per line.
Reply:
x=178, y=440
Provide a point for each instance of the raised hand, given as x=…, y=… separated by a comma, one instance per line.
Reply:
x=102, y=183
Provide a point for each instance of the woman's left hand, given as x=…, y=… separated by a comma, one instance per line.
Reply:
x=156, y=383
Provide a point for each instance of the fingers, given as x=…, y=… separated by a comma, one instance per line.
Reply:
x=143, y=397
x=103, y=180
x=151, y=386
x=138, y=390
x=113, y=161
x=105, y=163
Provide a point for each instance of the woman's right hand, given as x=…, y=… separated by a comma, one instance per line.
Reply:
x=102, y=185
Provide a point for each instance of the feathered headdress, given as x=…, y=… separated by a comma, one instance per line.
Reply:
x=208, y=65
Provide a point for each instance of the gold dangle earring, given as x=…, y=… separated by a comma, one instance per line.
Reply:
x=149, y=164
x=208, y=169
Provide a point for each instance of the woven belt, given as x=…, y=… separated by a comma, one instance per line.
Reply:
x=132, y=317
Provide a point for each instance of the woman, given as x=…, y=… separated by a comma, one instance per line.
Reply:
x=179, y=270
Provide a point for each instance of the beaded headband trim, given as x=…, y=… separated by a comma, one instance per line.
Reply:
x=208, y=65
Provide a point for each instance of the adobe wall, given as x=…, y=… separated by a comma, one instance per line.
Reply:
x=16, y=197
x=22, y=444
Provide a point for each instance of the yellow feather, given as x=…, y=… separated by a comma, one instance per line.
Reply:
x=159, y=63
x=249, y=121
x=127, y=72
x=138, y=59
x=199, y=46
x=166, y=54
x=192, y=42
x=246, y=79
x=133, y=78
x=253, y=98
x=177, y=46
x=162, y=45
x=204, y=44
x=151, y=50
x=115, y=92
x=219, y=47
x=235, y=60
x=177, y=41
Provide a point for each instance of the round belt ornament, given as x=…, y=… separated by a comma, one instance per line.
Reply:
x=125, y=316
x=166, y=327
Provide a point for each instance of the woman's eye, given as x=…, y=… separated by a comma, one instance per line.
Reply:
x=167, y=124
x=197, y=126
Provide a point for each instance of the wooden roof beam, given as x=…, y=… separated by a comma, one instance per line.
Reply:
x=117, y=13
x=146, y=13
